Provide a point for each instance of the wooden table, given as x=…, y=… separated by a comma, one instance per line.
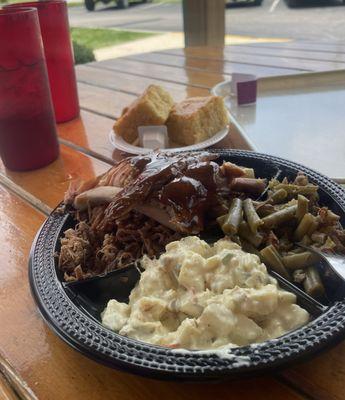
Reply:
x=35, y=361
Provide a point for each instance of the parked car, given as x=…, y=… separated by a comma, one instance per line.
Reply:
x=254, y=2
x=90, y=4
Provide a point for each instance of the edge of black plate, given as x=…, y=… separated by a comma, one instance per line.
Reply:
x=111, y=349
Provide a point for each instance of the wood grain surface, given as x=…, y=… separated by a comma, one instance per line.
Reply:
x=90, y=132
x=192, y=75
x=6, y=391
x=103, y=101
x=288, y=52
x=166, y=73
x=323, y=377
x=261, y=60
x=50, y=183
x=135, y=84
x=52, y=369
x=335, y=47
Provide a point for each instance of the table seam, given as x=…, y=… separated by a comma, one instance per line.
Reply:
x=167, y=52
x=145, y=76
x=213, y=59
x=6, y=384
x=19, y=385
x=120, y=90
x=25, y=195
x=282, y=379
x=98, y=112
x=285, y=56
x=86, y=151
x=264, y=45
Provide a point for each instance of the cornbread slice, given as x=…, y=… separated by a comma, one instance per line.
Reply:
x=151, y=108
x=196, y=119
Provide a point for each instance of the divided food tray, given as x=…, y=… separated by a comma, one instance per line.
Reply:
x=73, y=309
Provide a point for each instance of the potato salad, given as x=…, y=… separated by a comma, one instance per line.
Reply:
x=198, y=296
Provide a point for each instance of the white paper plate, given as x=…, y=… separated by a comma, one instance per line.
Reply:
x=120, y=144
x=222, y=89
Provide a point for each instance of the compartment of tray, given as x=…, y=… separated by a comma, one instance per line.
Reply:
x=93, y=294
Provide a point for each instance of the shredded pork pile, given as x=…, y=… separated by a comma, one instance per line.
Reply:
x=85, y=253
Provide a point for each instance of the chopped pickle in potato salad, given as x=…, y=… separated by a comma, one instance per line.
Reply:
x=197, y=296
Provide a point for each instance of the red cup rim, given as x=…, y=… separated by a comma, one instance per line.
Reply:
x=34, y=4
x=5, y=11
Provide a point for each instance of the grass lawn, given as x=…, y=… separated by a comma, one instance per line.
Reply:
x=75, y=3
x=95, y=38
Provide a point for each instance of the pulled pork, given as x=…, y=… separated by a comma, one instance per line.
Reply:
x=84, y=254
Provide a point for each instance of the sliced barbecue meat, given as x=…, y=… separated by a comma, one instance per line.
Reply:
x=187, y=186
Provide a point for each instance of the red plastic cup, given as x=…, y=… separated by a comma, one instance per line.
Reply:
x=28, y=137
x=53, y=19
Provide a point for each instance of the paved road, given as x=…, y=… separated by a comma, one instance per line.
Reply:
x=324, y=20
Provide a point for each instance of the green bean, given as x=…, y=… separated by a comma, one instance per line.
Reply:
x=327, y=217
x=271, y=257
x=296, y=189
x=329, y=245
x=318, y=237
x=278, y=196
x=248, y=185
x=254, y=221
x=302, y=207
x=312, y=283
x=233, y=218
x=245, y=233
x=313, y=226
x=301, y=179
x=279, y=217
x=304, y=226
x=273, y=183
x=298, y=260
x=292, y=202
x=265, y=209
x=306, y=240
x=221, y=220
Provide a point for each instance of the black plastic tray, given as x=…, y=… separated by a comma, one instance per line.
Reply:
x=73, y=311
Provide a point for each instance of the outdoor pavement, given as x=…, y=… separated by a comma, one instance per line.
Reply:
x=314, y=20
